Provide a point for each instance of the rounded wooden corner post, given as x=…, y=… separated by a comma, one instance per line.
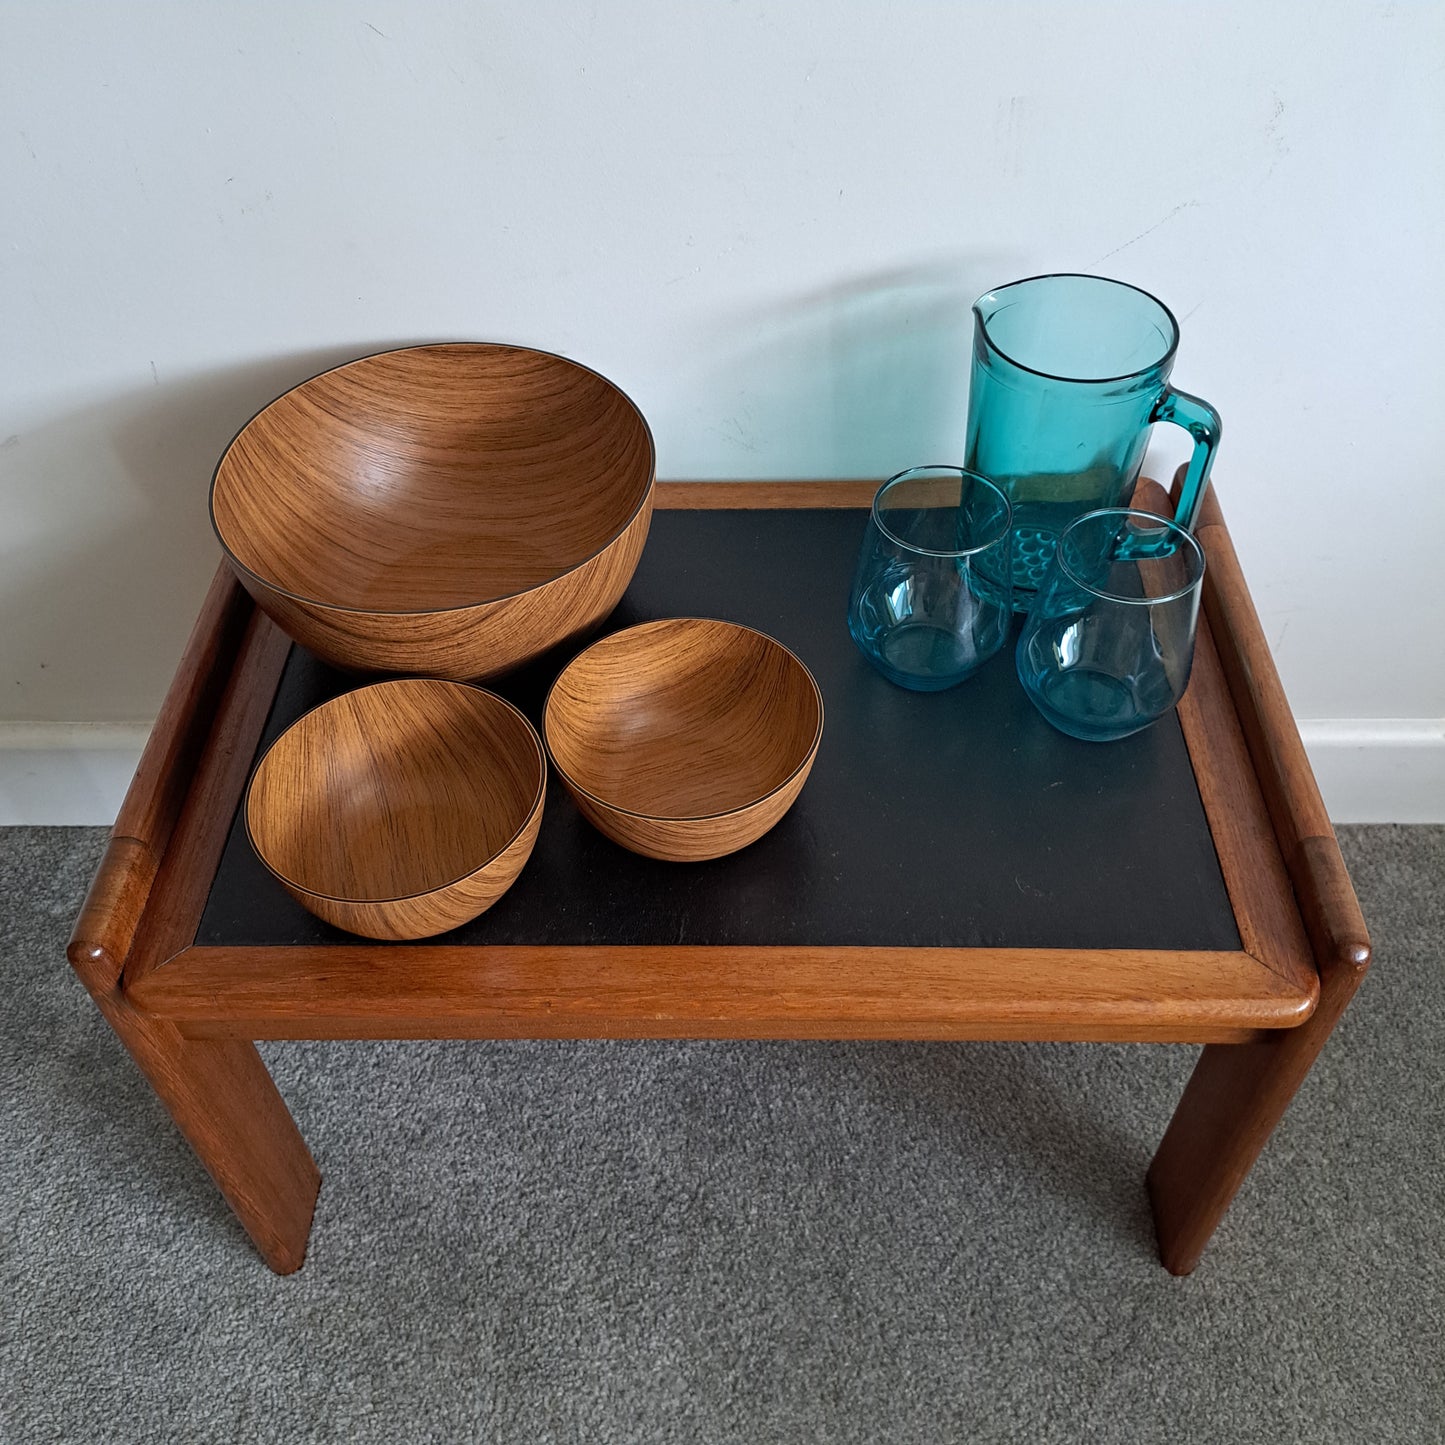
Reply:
x=218, y=1092
x=1239, y=1092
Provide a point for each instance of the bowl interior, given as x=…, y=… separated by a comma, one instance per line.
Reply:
x=432, y=477
x=685, y=718
x=395, y=789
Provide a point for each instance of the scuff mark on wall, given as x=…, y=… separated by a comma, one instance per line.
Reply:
x=1149, y=231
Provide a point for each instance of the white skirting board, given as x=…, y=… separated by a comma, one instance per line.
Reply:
x=62, y=773
x=1379, y=770
x=1372, y=770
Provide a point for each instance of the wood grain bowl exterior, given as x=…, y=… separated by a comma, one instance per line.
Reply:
x=684, y=739
x=402, y=809
x=451, y=510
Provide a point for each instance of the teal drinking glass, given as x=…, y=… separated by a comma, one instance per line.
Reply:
x=931, y=598
x=1109, y=639
x=1069, y=372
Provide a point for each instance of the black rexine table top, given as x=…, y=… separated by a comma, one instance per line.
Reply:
x=953, y=819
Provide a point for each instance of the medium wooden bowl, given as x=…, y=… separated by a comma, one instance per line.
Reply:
x=684, y=739
x=448, y=510
x=402, y=809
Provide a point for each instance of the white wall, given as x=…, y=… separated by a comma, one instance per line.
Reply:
x=767, y=222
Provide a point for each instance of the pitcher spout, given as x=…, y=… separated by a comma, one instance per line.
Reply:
x=984, y=310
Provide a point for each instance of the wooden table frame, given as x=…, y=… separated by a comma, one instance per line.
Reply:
x=189, y=1015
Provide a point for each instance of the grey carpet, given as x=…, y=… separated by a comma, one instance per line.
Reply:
x=723, y=1242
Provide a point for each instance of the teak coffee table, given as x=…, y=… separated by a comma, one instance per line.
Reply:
x=954, y=869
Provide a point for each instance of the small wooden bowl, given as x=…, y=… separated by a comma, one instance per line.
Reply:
x=684, y=739
x=451, y=510
x=402, y=809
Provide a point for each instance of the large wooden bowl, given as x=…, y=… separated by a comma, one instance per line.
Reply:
x=448, y=510
x=402, y=809
x=684, y=739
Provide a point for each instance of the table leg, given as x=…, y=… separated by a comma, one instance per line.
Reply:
x=1234, y=1099
x=223, y=1100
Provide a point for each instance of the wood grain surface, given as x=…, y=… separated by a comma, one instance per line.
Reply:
x=121, y=889
x=221, y=1097
x=189, y=1024
x=1297, y=812
x=1250, y=858
x=204, y=671
x=1237, y=1096
x=1255, y=875
x=446, y=991
x=218, y=776
x=1231, y=1105
x=765, y=495
x=218, y=1092
x=448, y=510
x=401, y=809
x=1325, y=896
x=684, y=739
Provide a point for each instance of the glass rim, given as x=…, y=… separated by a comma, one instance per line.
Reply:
x=1164, y=360
x=1155, y=519
x=910, y=472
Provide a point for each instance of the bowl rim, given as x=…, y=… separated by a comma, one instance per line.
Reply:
x=532, y=811
x=306, y=601
x=806, y=761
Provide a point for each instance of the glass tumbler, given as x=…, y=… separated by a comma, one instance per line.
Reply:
x=932, y=596
x=1109, y=639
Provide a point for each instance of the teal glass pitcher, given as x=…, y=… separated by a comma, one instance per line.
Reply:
x=1069, y=373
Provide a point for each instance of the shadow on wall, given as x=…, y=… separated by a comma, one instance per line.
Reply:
x=860, y=378
x=110, y=546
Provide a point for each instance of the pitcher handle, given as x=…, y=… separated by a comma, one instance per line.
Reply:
x=1201, y=421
